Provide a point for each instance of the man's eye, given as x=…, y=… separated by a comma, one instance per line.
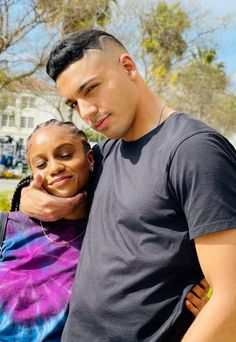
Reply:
x=90, y=88
x=73, y=105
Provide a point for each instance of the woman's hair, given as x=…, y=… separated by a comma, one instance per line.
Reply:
x=15, y=203
x=72, y=48
x=67, y=124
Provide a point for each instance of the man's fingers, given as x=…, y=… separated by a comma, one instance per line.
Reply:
x=61, y=207
x=77, y=199
x=37, y=182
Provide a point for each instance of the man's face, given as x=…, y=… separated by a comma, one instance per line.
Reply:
x=103, y=91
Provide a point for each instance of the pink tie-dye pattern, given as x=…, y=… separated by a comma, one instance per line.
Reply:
x=36, y=275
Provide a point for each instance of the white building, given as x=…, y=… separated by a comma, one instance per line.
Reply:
x=23, y=108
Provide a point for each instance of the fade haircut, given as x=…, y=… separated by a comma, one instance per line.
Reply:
x=72, y=48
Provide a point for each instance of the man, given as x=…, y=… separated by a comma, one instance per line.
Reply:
x=163, y=209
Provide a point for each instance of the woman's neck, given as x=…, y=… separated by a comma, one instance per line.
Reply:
x=79, y=212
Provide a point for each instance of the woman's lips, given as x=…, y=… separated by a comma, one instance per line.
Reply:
x=60, y=181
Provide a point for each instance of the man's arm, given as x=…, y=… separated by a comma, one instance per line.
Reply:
x=36, y=202
x=217, y=321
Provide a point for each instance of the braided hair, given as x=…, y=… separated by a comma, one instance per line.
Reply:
x=15, y=203
x=68, y=124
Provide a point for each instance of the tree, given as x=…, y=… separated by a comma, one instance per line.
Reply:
x=19, y=21
x=27, y=29
x=73, y=15
x=163, y=38
x=184, y=69
x=200, y=87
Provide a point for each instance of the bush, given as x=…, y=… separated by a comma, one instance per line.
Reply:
x=5, y=200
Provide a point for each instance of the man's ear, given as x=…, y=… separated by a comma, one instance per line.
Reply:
x=128, y=64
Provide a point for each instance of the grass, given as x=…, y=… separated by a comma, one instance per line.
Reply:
x=5, y=200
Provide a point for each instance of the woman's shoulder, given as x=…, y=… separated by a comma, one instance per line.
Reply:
x=16, y=216
x=17, y=220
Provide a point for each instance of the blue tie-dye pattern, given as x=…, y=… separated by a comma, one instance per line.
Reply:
x=27, y=258
x=40, y=331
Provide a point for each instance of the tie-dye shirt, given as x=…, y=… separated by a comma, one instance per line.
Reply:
x=36, y=277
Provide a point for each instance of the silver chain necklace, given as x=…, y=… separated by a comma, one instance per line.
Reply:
x=58, y=243
x=161, y=112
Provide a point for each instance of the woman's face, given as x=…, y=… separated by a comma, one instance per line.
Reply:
x=59, y=157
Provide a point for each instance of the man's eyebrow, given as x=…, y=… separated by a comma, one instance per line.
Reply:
x=80, y=89
x=68, y=102
x=85, y=83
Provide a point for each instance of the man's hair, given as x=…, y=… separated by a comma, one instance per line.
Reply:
x=72, y=48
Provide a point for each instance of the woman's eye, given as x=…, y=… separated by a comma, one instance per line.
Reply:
x=40, y=165
x=65, y=155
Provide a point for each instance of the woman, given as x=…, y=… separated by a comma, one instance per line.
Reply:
x=39, y=259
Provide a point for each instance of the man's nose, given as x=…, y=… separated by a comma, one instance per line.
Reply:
x=86, y=109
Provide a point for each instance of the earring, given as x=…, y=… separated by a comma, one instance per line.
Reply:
x=91, y=168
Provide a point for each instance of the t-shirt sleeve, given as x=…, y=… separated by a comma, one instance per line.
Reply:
x=203, y=179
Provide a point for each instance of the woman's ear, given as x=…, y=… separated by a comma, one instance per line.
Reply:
x=128, y=64
x=90, y=158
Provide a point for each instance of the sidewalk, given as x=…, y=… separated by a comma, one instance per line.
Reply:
x=8, y=184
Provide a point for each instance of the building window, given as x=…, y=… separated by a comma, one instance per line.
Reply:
x=23, y=121
x=4, y=120
x=23, y=102
x=12, y=121
x=30, y=122
x=27, y=101
x=31, y=102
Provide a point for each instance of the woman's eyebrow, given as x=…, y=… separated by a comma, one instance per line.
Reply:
x=41, y=155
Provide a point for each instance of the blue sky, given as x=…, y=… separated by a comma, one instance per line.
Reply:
x=225, y=37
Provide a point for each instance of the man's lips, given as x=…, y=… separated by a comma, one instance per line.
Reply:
x=60, y=180
x=100, y=124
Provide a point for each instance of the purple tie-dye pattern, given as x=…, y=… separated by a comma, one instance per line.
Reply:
x=36, y=275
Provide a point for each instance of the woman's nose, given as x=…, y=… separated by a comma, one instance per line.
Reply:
x=56, y=167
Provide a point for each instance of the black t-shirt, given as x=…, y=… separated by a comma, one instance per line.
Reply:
x=138, y=261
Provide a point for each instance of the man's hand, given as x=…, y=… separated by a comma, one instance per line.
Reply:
x=36, y=202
